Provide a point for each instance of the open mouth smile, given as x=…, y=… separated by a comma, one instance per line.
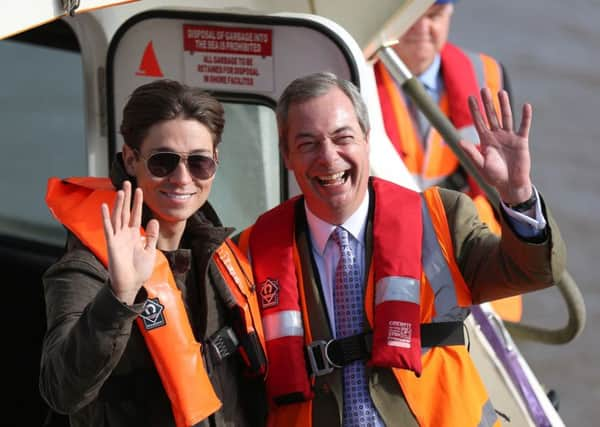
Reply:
x=177, y=196
x=333, y=179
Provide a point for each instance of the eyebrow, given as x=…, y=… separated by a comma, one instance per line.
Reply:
x=170, y=150
x=335, y=132
x=343, y=129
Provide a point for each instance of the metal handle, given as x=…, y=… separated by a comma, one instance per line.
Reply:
x=70, y=6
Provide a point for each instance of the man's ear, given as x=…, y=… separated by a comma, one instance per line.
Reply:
x=129, y=159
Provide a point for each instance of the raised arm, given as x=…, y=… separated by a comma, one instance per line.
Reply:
x=130, y=255
x=502, y=157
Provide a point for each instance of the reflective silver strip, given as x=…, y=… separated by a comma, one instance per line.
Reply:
x=478, y=67
x=395, y=288
x=488, y=415
x=437, y=271
x=283, y=324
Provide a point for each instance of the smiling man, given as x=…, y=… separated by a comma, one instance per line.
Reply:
x=364, y=284
x=328, y=151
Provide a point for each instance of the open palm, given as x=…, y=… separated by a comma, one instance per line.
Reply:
x=131, y=255
x=502, y=156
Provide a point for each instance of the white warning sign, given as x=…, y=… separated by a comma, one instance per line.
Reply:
x=228, y=58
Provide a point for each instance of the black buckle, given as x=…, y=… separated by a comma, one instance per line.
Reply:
x=324, y=356
x=319, y=362
x=441, y=334
x=223, y=344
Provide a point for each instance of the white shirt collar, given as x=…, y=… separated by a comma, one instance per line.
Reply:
x=321, y=230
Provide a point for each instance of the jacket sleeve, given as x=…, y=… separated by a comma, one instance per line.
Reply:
x=87, y=330
x=496, y=267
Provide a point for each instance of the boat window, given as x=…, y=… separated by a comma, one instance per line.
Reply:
x=246, y=61
x=248, y=180
x=41, y=130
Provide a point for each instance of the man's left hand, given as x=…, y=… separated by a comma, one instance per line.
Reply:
x=502, y=157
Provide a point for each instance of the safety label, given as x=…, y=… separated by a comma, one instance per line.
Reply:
x=234, y=58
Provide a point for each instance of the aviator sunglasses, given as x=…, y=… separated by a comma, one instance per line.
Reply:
x=163, y=163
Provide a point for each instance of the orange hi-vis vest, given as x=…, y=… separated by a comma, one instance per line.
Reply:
x=75, y=202
x=463, y=73
x=412, y=266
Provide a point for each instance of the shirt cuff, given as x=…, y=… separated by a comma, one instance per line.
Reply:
x=527, y=224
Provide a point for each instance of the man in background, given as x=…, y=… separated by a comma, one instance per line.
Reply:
x=449, y=74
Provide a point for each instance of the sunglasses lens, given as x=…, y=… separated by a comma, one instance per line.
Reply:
x=162, y=164
x=202, y=167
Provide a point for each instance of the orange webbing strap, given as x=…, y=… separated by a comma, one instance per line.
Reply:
x=177, y=355
x=243, y=246
x=243, y=242
x=236, y=271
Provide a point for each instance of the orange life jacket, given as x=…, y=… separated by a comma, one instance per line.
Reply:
x=75, y=202
x=449, y=391
x=463, y=74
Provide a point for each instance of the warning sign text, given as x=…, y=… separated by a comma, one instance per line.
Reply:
x=207, y=38
x=227, y=57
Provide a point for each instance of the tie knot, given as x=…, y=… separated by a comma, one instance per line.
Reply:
x=340, y=236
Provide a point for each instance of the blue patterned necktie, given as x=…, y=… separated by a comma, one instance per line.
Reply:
x=349, y=320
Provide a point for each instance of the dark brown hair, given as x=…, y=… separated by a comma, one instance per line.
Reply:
x=165, y=99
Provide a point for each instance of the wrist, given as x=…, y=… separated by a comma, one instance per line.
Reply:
x=525, y=205
x=126, y=297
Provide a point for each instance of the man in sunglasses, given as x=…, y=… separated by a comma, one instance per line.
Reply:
x=151, y=318
x=364, y=285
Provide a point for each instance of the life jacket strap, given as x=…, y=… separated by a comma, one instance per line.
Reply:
x=223, y=344
x=324, y=356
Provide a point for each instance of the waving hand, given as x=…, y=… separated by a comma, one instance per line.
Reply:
x=131, y=256
x=502, y=157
